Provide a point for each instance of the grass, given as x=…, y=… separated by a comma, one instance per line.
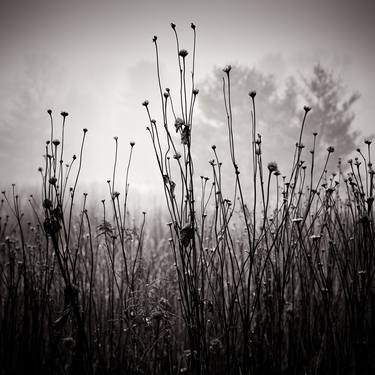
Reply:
x=280, y=283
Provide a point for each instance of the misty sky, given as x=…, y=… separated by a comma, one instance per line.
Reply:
x=95, y=59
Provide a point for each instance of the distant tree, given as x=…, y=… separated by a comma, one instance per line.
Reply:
x=24, y=122
x=279, y=112
x=277, y=117
x=332, y=115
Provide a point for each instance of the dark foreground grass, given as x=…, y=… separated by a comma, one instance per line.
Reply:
x=278, y=283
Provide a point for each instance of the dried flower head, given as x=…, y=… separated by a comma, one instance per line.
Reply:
x=64, y=114
x=272, y=166
x=115, y=194
x=132, y=143
x=145, y=103
x=227, y=69
x=155, y=38
x=192, y=26
x=183, y=53
x=49, y=111
x=173, y=25
x=179, y=123
x=330, y=149
x=368, y=141
x=252, y=94
x=195, y=92
x=52, y=180
x=47, y=203
x=56, y=142
x=307, y=108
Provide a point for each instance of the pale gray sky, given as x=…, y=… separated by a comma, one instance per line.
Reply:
x=94, y=59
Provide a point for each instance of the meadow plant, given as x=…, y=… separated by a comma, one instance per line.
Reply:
x=274, y=278
x=279, y=285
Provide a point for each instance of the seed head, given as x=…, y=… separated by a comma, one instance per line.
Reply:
x=115, y=194
x=64, y=114
x=227, y=69
x=192, y=26
x=173, y=26
x=52, y=180
x=49, y=111
x=272, y=166
x=307, y=108
x=145, y=103
x=155, y=38
x=368, y=141
x=132, y=143
x=179, y=123
x=183, y=53
x=252, y=94
x=195, y=92
x=56, y=142
x=47, y=203
x=330, y=149
x=85, y=130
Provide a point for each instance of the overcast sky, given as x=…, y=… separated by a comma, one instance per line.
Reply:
x=95, y=59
